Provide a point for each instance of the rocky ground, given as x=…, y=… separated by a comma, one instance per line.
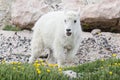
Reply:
x=90, y=51
x=15, y=46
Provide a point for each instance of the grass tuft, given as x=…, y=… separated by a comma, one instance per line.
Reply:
x=11, y=28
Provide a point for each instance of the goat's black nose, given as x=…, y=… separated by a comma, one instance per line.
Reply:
x=68, y=30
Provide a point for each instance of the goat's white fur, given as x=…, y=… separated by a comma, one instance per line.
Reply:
x=50, y=32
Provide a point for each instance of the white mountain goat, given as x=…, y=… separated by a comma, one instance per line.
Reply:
x=57, y=31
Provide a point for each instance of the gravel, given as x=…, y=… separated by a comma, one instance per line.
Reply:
x=15, y=46
x=90, y=50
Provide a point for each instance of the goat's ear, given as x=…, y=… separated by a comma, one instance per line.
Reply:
x=78, y=12
x=65, y=11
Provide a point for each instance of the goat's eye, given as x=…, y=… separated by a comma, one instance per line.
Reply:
x=64, y=20
x=75, y=21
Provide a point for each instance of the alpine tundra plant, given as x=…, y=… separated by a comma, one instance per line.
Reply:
x=103, y=69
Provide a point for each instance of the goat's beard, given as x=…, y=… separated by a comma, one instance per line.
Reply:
x=68, y=33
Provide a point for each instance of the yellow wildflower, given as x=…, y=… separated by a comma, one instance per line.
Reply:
x=14, y=68
x=60, y=69
x=38, y=71
x=13, y=63
x=37, y=65
x=3, y=61
x=115, y=63
x=48, y=70
x=36, y=61
x=102, y=67
x=102, y=60
x=114, y=55
x=34, y=64
x=19, y=63
x=56, y=65
x=110, y=73
x=42, y=64
x=51, y=65
x=119, y=64
x=41, y=60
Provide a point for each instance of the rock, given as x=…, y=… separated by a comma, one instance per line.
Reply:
x=25, y=13
x=5, y=12
x=79, y=2
x=119, y=23
x=70, y=73
x=104, y=15
x=92, y=1
x=72, y=4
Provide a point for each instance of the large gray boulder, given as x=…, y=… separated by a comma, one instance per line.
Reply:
x=25, y=13
x=5, y=12
x=103, y=14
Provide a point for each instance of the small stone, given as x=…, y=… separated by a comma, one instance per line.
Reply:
x=70, y=73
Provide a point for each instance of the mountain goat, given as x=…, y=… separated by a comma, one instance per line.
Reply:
x=59, y=31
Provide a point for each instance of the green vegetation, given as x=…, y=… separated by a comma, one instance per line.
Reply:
x=11, y=28
x=36, y=71
x=98, y=70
